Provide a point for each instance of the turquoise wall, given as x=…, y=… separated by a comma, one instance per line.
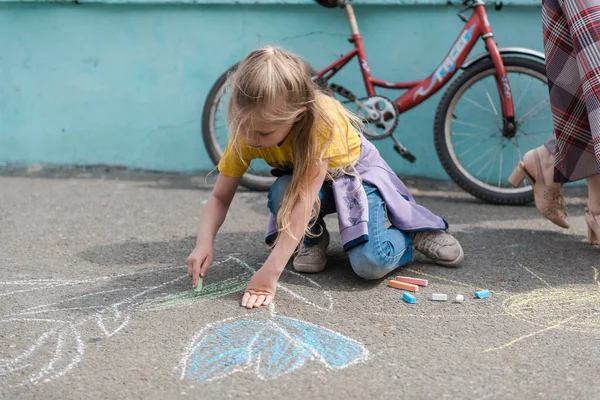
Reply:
x=125, y=84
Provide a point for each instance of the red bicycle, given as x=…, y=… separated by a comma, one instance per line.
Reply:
x=496, y=109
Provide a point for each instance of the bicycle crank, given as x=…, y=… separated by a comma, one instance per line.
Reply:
x=403, y=151
x=379, y=116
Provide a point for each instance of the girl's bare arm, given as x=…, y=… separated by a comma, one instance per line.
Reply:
x=212, y=218
x=299, y=218
x=262, y=286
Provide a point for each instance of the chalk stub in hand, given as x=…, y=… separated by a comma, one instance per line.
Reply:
x=198, y=288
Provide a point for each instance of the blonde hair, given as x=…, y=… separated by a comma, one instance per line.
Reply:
x=274, y=85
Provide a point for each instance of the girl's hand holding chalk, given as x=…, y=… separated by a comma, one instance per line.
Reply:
x=199, y=261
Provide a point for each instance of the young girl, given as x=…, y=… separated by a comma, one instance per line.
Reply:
x=325, y=166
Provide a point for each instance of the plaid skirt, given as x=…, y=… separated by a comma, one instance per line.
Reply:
x=571, y=30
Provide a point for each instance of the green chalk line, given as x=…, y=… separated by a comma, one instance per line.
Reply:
x=210, y=292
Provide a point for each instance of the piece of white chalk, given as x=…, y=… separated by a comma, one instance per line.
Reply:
x=460, y=298
x=439, y=297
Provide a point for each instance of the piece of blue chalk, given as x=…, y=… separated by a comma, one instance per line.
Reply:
x=409, y=298
x=482, y=294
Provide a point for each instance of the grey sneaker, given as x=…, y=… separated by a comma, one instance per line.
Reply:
x=439, y=246
x=312, y=259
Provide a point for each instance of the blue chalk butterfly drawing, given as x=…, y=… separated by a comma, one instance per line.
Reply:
x=269, y=348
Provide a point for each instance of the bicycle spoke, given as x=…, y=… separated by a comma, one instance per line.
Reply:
x=481, y=156
x=545, y=132
x=539, y=118
x=465, y=134
x=484, y=83
x=480, y=106
x=490, y=99
x=491, y=160
x=513, y=161
x=516, y=146
x=534, y=111
x=500, y=169
x=478, y=102
x=461, y=142
x=522, y=94
x=519, y=152
x=472, y=125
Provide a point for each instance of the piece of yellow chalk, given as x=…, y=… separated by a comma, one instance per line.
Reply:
x=412, y=281
x=405, y=286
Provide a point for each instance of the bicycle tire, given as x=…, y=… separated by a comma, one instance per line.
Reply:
x=501, y=197
x=250, y=181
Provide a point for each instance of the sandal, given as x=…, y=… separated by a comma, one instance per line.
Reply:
x=548, y=199
x=593, y=228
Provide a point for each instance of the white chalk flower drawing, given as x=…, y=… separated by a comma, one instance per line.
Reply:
x=45, y=342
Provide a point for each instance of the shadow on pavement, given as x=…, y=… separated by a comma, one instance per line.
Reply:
x=511, y=260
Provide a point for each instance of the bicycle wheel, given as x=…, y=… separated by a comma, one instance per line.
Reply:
x=214, y=133
x=468, y=128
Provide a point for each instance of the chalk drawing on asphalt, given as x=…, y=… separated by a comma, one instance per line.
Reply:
x=573, y=308
x=268, y=348
x=54, y=342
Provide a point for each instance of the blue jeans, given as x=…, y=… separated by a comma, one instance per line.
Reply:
x=386, y=249
x=275, y=198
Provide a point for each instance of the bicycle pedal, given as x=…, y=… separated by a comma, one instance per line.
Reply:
x=407, y=155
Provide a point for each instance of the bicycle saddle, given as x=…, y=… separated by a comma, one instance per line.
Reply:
x=332, y=3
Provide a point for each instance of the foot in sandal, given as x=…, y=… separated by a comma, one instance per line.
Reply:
x=538, y=168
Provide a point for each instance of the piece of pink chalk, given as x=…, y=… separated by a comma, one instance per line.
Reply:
x=414, y=281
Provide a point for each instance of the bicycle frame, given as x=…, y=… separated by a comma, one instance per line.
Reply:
x=418, y=91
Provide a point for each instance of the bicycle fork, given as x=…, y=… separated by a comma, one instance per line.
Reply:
x=509, y=128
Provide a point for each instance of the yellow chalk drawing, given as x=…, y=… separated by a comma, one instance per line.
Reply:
x=573, y=308
x=534, y=274
x=529, y=335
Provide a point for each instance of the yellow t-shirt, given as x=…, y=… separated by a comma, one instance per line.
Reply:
x=343, y=149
